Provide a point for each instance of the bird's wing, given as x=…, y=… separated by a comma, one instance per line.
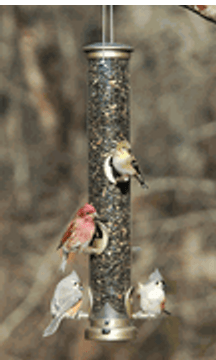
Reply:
x=144, y=301
x=135, y=165
x=54, y=306
x=138, y=173
x=67, y=234
x=68, y=298
x=65, y=285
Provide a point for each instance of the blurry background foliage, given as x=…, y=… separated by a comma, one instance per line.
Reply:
x=44, y=173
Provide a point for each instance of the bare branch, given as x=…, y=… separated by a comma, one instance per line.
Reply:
x=206, y=11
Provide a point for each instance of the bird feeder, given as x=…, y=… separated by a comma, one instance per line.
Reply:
x=108, y=119
x=108, y=127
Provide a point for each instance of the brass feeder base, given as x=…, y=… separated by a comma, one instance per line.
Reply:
x=111, y=330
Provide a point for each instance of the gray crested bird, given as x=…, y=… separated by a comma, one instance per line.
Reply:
x=66, y=302
x=152, y=295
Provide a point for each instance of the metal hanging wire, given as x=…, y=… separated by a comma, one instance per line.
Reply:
x=111, y=24
x=104, y=26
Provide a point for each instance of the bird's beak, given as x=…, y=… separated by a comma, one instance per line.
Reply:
x=95, y=215
x=164, y=284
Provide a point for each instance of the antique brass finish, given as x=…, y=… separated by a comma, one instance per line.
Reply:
x=95, y=51
x=111, y=327
x=111, y=330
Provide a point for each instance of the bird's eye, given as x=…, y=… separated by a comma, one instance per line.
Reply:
x=75, y=283
x=88, y=213
x=157, y=282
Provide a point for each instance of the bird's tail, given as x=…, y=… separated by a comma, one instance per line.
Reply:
x=59, y=246
x=52, y=327
x=138, y=173
x=166, y=312
x=64, y=260
x=141, y=181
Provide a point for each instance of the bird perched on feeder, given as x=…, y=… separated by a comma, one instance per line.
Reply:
x=121, y=164
x=152, y=295
x=79, y=233
x=66, y=301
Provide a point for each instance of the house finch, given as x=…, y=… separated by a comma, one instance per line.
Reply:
x=152, y=295
x=66, y=301
x=121, y=164
x=79, y=233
